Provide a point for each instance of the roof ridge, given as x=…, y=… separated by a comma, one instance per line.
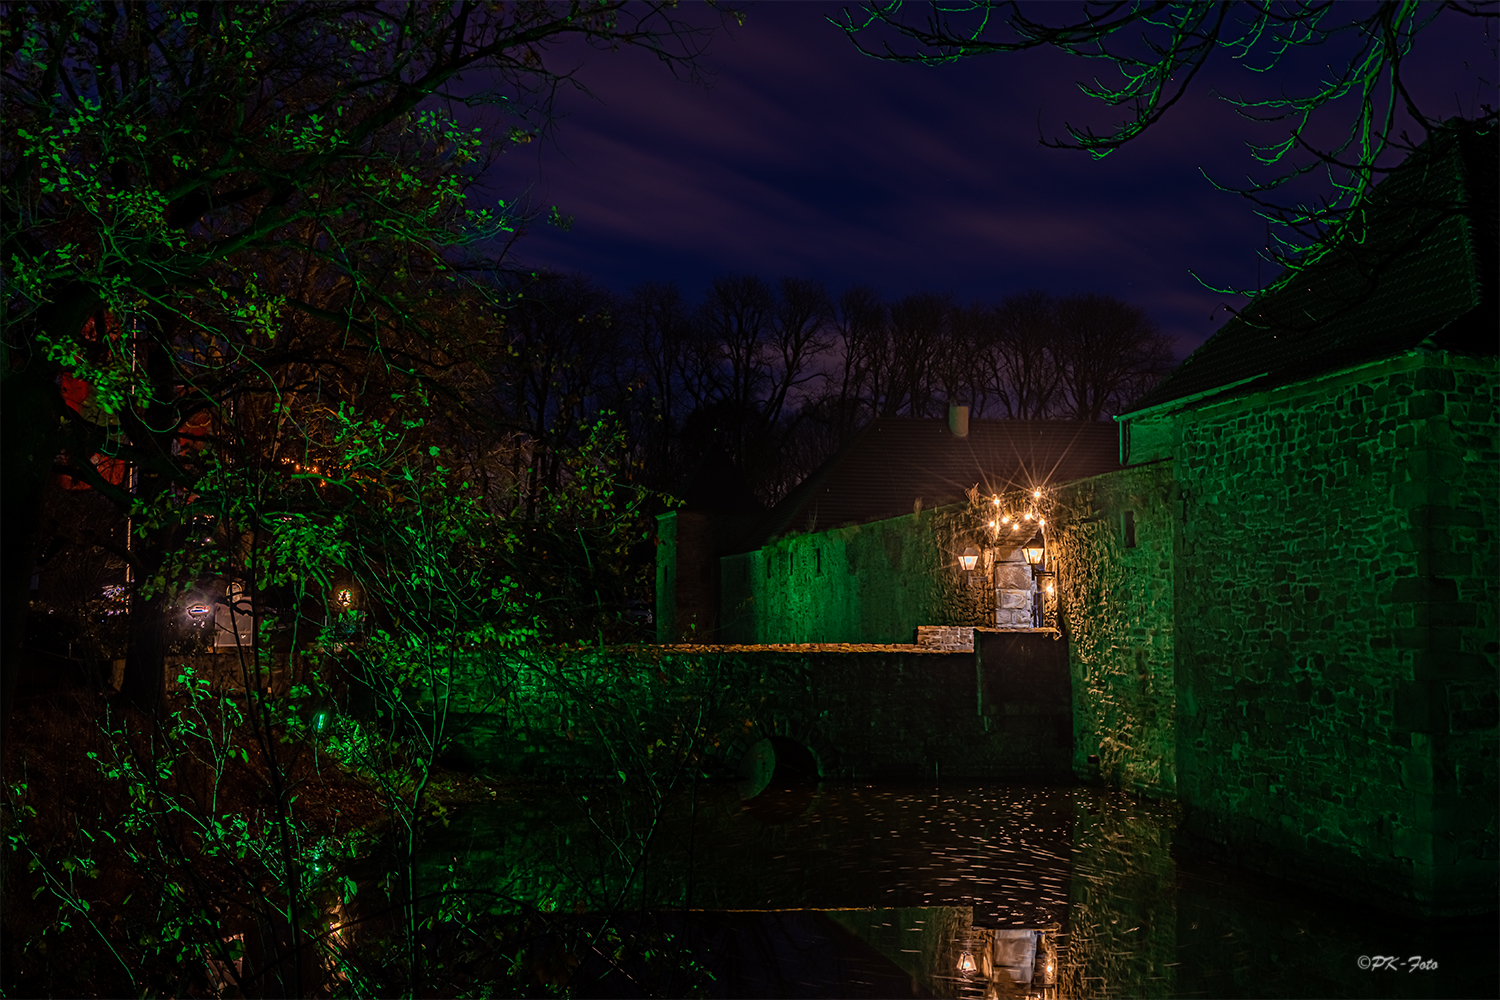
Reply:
x=877, y=474
x=1409, y=263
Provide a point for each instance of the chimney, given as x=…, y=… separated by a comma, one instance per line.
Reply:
x=958, y=420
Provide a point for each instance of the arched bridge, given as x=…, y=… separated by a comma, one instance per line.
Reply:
x=903, y=713
x=840, y=712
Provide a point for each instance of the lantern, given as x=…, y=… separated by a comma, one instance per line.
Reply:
x=1034, y=550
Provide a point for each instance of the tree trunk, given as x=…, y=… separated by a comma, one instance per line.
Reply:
x=145, y=682
x=150, y=618
x=28, y=405
x=30, y=411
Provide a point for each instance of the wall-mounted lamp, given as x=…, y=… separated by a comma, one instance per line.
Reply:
x=1034, y=550
x=969, y=559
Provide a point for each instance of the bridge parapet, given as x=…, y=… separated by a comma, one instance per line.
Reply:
x=865, y=712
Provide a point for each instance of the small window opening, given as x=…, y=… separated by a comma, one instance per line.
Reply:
x=1130, y=529
x=768, y=567
x=817, y=562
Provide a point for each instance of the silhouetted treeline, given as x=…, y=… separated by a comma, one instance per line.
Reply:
x=780, y=374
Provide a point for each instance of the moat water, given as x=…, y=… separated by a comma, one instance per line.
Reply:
x=984, y=891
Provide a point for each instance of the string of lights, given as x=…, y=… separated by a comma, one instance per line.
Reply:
x=1011, y=514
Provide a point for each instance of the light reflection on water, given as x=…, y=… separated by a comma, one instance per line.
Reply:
x=945, y=891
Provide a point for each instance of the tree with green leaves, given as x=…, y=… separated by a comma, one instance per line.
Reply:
x=227, y=210
x=379, y=618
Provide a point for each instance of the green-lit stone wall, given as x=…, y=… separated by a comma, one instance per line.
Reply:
x=871, y=583
x=688, y=546
x=667, y=570
x=1111, y=546
x=1336, y=624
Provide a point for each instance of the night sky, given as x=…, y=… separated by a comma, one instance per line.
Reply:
x=804, y=157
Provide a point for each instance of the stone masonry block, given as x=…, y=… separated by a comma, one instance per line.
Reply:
x=1445, y=563
x=1433, y=378
x=1416, y=772
x=1442, y=516
x=1012, y=577
x=1421, y=707
x=1452, y=665
x=1434, y=431
x=1453, y=813
x=951, y=637
x=1425, y=404
x=1424, y=589
x=1433, y=463
x=1014, y=599
x=1419, y=492
x=1472, y=705
x=1460, y=613
x=1428, y=637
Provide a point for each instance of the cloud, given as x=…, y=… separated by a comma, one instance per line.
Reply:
x=805, y=157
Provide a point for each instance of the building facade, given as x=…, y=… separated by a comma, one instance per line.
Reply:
x=871, y=546
x=1277, y=576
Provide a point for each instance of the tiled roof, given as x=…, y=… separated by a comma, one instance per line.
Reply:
x=894, y=461
x=1417, y=262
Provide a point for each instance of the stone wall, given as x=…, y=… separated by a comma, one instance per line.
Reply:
x=1336, y=623
x=871, y=583
x=689, y=544
x=866, y=712
x=1111, y=547
x=950, y=638
x=1284, y=614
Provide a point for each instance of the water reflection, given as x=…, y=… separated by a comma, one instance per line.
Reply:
x=993, y=891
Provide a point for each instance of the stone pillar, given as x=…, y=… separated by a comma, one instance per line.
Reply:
x=1014, y=591
x=689, y=545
